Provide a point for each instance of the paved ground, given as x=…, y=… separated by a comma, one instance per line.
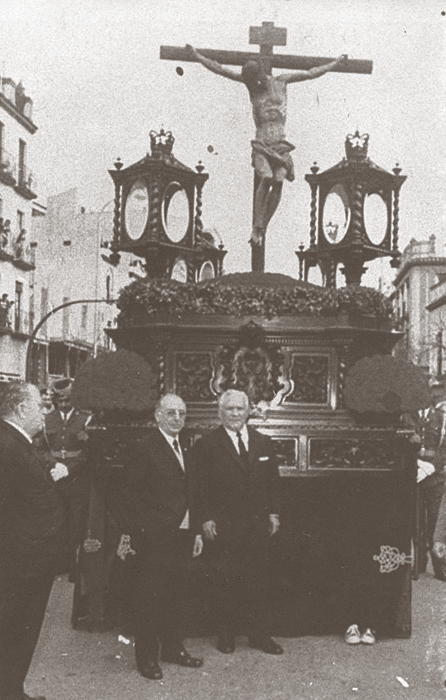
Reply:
x=74, y=665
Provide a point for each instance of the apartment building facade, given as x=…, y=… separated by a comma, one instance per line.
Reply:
x=18, y=212
x=71, y=265
x=419, y=297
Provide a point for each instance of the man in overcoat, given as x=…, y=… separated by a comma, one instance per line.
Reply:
x=31, y=535
x=155, y=506
x=239, y=507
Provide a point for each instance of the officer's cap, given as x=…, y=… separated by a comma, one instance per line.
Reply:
x=62, y=388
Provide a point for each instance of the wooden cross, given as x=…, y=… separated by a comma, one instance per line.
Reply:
x=266, y=37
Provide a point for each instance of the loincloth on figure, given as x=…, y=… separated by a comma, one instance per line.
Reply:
x=277, y=154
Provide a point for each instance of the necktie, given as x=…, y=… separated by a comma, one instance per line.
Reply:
x=178, y=453
x=242, y=450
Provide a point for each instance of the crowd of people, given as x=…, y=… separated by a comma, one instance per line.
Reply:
x=172, y=501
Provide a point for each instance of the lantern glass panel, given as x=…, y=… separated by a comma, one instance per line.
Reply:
x=207, y=272
x=375, y=218
x=175, y=212
x=136, y=209
x=336, y=215
x=179, y=270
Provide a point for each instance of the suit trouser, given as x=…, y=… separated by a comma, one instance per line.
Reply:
x=158, y=582
x=240, y=565
x=23, y=602
x=432, y=490
x=75, y=498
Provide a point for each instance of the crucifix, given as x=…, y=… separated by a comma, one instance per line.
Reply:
x=271, y=157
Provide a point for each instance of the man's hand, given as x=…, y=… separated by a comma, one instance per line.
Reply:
x=198, y=546
x=90, y=546
x=59, y=471
x=210, y=530
x=124, y=547
x=439, y=550
x=274, y=524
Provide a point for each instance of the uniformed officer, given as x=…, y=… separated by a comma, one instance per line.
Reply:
x=65, y=438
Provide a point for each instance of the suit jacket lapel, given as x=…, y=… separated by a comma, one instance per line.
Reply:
x=229, y=446
x=168, y=452
x=253, y=445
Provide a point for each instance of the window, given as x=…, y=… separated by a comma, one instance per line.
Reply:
x=66, y=318
x=43, y=301
x=84, y=316
x=57, y=359
x=18, y=306
x=22, y=161
x=20, y=220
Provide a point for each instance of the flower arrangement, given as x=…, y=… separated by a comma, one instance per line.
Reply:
x=384, y=384
x=115, y=381
x=265, y=295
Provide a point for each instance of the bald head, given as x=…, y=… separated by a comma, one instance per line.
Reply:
x=170, y=414
x=21, y=404
x=233, y=409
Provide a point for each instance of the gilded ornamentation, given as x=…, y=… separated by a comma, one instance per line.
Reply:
x=253, y=367
x=309, y=377
x=193, y=375
x=334, y=453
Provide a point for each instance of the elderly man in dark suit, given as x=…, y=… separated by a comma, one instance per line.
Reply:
x=31, y=535
x=155, y=507
x=240, y=510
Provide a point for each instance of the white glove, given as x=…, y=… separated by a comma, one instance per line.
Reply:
x=424, y=469
x=59, y=471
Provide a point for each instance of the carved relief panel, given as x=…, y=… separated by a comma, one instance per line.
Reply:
x=353, y=453
x=312, y=379
x=193, y=375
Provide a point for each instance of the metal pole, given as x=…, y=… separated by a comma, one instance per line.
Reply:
x=44, y=319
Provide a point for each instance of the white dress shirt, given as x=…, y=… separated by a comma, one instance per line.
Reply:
x=233, y=434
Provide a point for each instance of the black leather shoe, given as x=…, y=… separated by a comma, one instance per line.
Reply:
x=151, y=670
x=266, y=644
x=226, y=644
x=181, y=657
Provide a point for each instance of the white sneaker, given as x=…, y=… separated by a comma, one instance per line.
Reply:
x=368, y=637
x=352, y=636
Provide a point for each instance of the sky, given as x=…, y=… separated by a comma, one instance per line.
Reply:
x=93, y=70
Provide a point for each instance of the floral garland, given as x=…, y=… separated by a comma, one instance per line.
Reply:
x=247, y=294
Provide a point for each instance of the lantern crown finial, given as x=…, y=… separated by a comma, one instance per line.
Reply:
x=161, y=143
x=356, y=146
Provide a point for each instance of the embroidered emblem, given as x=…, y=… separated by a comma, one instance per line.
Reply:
x=390, y=559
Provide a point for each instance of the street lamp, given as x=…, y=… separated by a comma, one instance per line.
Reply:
x=44, y=319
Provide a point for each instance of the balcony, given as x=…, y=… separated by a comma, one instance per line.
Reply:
x=26, y=183
x=20, y=324
x=15, y=324
x=8, y=168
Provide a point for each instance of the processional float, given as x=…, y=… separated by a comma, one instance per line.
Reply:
x=305, y=354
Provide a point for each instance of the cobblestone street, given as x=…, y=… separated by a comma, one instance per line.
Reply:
x=75, y=665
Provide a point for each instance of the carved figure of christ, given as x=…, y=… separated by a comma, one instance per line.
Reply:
x=271, y=157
